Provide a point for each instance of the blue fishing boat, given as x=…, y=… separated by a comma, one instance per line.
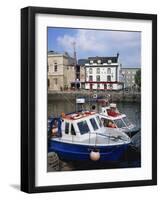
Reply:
x=82, y=136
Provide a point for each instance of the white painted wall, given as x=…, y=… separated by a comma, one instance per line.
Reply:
x=10, y=100
x=103, y=73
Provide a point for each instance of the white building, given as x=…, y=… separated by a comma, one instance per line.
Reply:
x=102, y=73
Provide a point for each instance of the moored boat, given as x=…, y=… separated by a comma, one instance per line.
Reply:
x=112, y=118
x=82, y=136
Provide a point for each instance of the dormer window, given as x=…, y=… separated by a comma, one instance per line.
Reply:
x=91, y=61
x=109, y=61
x=99, y=61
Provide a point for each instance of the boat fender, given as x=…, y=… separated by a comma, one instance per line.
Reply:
x=94, y=155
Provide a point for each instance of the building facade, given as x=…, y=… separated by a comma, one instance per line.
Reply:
x=102, y=73
x=128, y=77
x=61, y=70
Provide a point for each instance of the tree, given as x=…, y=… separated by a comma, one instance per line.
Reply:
x=138, y=78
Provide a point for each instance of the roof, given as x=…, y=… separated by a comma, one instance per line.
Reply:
x=103, y=59
x=82, y=61
x=55, y=53
x=130, y=68
x=78, y=115
x=113, y=59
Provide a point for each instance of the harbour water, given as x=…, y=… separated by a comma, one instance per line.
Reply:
x=132, y=157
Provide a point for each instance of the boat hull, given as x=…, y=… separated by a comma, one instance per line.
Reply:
x=71, y=152
x=131, y=132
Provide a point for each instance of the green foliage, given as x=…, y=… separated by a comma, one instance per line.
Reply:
x=138, y=78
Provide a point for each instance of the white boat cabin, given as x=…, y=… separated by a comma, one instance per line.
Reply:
x=112, y=118
x=87, y=128
x=80, y=125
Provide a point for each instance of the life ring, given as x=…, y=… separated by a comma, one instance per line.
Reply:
x=77, y=117
x=74, y=115
x=87, y=112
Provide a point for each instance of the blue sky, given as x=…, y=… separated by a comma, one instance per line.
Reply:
x=97, y=43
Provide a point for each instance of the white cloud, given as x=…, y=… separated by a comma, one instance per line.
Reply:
x=104, y=43
x=95, y=41
x=86, y=40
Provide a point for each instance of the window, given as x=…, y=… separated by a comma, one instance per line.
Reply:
x=48, y=83
x=83, y=127
x=110, y=86
x=98, y=86
x=126, y=121
x=66, y=128
x=55, y=81
x=90, y=78
x=107, y=122
x=90, y=70
x=99, y=61
x=108, y=70
x=109, y=78
x=55, y=67
x=109, y=61
x=98, y=78
x=99, y=121
x=119, y=123
x=73, y=130
x=91, y=61
x=98, y=70
x=94, y=124
x=50, y=67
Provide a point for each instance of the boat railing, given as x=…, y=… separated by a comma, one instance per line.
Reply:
x=93, y=138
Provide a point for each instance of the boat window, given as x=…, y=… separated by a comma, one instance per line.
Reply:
x=99, y=121
x=105, y=122
x=119, y=123
x=127, y=122
x=72, y=130
x=83, y=127
x=108, y=123
x=66, y=128
x=94, y=124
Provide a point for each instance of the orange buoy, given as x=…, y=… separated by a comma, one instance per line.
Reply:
x=63, y=114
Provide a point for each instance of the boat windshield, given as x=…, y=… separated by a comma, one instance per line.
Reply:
x=99, y=121
x=126, y=121
x=94, y=124
x=119, y=123
x=83, y=127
